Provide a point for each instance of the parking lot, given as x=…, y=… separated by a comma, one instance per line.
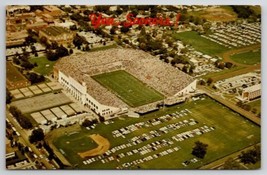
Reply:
x=164, y=139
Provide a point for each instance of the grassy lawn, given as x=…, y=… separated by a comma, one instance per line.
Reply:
x=256, y=104
x=75, y=143
x=252, y=57
x=199, y=43
x=128, y=88
x=13, y=74
x=103, y=48
x=232, y=133
x=213, y=75
x=45, y=67
x=222, y=13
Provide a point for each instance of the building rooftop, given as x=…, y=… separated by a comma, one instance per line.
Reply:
x=253, y=88
x=55, y=30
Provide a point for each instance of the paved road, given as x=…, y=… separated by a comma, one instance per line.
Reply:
x=24, y=136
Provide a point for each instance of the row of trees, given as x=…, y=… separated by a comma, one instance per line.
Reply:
x=23, y=121
x=87, y=122
x=35, y=78
x=36, y=135
x=251, y=156
x=59, y=52
x=221, y=65
x=8, y=96
x=247, y=107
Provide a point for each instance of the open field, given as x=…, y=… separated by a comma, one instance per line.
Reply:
x=256, y=104
x=128, y=88
x=75, y=143
x=199, y=43
x=222, y=13
x=225, y=138
x=13, y=74
x=15, y=79
x=45, y=67
x=251, y=57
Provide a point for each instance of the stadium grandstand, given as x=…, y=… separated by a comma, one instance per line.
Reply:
x=76, y=74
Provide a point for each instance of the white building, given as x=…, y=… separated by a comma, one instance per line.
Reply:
x=251, y=92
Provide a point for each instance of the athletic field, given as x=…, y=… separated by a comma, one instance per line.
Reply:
x=199, y=43
x=251, y=57
x=128, y=88
x=224, y=131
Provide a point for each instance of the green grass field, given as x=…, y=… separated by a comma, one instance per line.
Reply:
x=128, y=88
x=199, y=43
x=13, y=74
x=45, y=67
x=252, y=57
x=256, y=104
x=74, y=143
x=232, y=133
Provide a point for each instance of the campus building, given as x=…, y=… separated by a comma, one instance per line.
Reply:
x=251, y=92
x=60, y=35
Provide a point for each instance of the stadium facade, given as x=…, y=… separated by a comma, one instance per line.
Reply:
x=75, y=73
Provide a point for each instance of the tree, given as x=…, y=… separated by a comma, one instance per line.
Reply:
x=8, y=97
x=124, y=29
x=35, y=78
x=200, y=149
x=27, y=65
x=73, y=27
x=231, y=164
x=29, y=40
x=102, y=119
x=77, y=41
x=43, y=40
x=112, y=31
x=37, y=135
x=51, y=56
x=33, y=48
x=228, y=65
x=221, y=65
x=22, y=120
x=251, y=156
x=201, y=82
x=209, y=81
x=87, y=122
x=71, y=51
x=87, y=48
x=62, y=51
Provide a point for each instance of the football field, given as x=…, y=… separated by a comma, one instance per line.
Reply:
x=164, y=139
x=128, y=88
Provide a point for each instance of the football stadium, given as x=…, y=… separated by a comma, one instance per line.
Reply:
x=116, y=81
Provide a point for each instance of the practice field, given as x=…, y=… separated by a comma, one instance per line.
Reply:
x=252, y=57
x=222, y=13
x=164, y=139
x=45, y=67
x=128, y=88
x=74, y=143
x=199, y=43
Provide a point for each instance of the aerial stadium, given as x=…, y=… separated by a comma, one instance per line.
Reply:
x=117, y=81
